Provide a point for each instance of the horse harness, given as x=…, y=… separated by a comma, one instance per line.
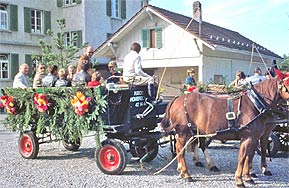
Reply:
x=259, y=103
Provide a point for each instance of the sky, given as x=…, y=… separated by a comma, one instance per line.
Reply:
x=265, y=22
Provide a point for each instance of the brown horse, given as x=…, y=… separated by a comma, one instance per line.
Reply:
x=207, y=114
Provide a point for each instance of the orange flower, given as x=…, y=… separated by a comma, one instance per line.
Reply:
x=8, y=103
x=80, y=103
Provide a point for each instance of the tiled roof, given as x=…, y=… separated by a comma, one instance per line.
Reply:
x=214, y=35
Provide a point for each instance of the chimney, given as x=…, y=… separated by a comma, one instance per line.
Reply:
x=145, y=2
x=197, y=14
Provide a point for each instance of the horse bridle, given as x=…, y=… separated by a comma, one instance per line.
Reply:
x=283, y=89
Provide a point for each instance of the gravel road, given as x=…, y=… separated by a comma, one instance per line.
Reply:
x=56, y=167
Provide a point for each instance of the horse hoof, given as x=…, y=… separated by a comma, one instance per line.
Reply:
x=267, y=173
x=214, y=169
x=189, y=179
x=199, y=164
x=250, y=181
x=254, y=175
x=241, y=185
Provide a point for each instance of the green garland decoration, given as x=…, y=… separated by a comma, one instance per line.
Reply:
x=60, y=118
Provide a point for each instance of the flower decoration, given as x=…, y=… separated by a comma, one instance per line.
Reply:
x=80, y=103
x=192, y=89
x=41, y=102
x=8, y=103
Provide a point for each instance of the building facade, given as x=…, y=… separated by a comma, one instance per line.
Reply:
x=24, y=22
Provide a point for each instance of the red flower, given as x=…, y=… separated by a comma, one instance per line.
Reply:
x=41, y=102
x=8, y=103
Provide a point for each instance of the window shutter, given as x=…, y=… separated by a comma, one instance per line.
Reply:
x=59, y=3
x=14, y=65
x=13, y=18
x=78, y=1
x=145, y=37
x=47, y=21
x=108, y=7
x=159, y=37
x=27, y=20
x=123, y=9
x=28, y=60
x=79, y=38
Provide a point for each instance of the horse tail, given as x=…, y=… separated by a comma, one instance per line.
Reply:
x=166, y=123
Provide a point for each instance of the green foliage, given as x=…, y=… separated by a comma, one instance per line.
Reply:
x=56, y=51
x=60, y=119
x=285, y=65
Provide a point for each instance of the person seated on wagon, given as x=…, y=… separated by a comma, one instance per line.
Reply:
x=96, y=79
x=50, y=79
x=21, y=78
x=40, y=74
x=82, y=77
x=71, y=71
x=133, y=73
x=114, y=76
x=240, y=80
x=62, y=81
x=190, y=83
x=87, y=56
x=257, y=77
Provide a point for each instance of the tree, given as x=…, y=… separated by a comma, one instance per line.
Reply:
x=56, y=51
x=285, y=65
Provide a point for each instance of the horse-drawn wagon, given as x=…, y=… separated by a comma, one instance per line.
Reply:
x=121, y=112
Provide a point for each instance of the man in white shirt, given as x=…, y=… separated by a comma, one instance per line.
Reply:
x=133, y=73
x=257, y=77
x=21, y=78
x=132, y=69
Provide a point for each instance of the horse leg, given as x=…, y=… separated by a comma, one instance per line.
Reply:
x=248, y=166
x=241, y=160
x=208, y=158
x=196, y=157
x=181, y=159
x=264, y=141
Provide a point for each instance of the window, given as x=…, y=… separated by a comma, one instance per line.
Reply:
x=116, y=8
x=69, y=2
x=219, y=79
x=72, y=38
x=3, y=16
x=152, y=38
x=36, y=21
x=4, y=69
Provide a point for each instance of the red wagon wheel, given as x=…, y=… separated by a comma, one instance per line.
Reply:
x=111, y=157
x=28, y=145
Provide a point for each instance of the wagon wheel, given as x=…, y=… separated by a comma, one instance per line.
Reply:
x=140, y=151
x=28, y=145
x=111, y=157
x=274, y=146
x=284, y=141
x=71, y=146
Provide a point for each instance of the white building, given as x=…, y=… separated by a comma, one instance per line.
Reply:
x=173, y=42
x=24, y=22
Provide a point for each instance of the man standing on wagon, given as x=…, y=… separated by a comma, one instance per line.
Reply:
x=133, y=73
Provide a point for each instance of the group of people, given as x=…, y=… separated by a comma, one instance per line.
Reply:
x=83, y=74
x=72, y=76
x=242, y=80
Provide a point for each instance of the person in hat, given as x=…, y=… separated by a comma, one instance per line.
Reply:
x=257, y=77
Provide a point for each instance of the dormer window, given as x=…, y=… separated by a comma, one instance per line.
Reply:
x=152, y=38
